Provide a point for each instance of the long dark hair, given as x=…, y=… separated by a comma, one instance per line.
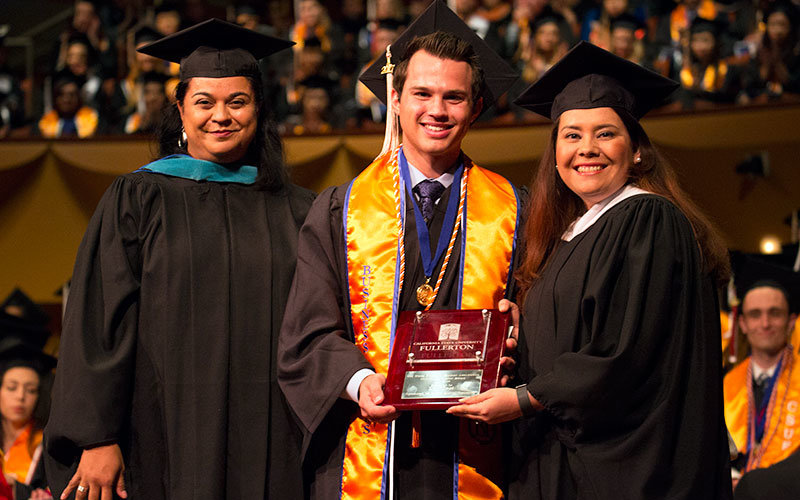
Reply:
x=553, y=207
x=265, y=152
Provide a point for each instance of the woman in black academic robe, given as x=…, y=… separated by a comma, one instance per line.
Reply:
x=619, y=349
x=166, y=385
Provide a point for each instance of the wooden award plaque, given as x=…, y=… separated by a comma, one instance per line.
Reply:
x=439, y=357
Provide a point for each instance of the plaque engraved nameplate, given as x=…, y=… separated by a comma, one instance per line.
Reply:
x=439, y=357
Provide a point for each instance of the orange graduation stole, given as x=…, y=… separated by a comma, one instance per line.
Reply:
x=19, y=462
x=712, y=80
x=374, y=226
x=782, y=427
x=85, y=121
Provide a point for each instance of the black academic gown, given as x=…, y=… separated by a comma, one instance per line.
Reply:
x=620, y=344
x=317, y=357
x=169, y=338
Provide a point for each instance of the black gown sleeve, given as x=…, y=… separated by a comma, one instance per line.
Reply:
x=316, y=353
x=634, y=343
x=92, y=392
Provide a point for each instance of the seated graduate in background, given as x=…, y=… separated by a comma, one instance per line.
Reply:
x=762, y=392
x=70, y=117
x=25, y=381
x=165, y=385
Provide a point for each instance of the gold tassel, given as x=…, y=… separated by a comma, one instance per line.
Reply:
x=391, y=139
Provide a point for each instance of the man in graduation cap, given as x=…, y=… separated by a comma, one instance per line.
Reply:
x=762, y=393
x=389, y=241
x=166, y=382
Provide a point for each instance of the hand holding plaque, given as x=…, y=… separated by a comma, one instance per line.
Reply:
x=439, y=357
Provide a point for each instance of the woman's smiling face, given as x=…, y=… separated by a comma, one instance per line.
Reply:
x=219, y=117
x=594, y=153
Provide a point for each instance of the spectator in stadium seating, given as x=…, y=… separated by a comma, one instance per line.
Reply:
x=78, y=61
x=705, y=77
x=774, y=72
x=316, y=100
x=154, y=102
x=69, y=116
x=167, y=19
x=597, y=23
x=546, y=46
x=86, y=23
x=12, y=99
x=370, y=107
x=627, y=38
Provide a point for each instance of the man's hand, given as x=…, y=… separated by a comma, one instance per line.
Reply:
x=370, y=397
x=507, y=363
x=99, y=473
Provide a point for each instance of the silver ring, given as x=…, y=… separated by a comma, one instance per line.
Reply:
x=81, y=488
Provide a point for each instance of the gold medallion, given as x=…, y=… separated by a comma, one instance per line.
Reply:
x=425, y=295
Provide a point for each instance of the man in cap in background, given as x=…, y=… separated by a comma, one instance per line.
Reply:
x=762, y=393
x=369, y=250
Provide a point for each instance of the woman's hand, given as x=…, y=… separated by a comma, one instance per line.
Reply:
x=492, y=407
x=507, y=363
x=100, y=471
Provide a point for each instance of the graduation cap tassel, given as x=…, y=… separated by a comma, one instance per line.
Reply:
x=391, y=139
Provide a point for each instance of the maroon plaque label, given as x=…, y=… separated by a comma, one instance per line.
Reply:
x=439, y=357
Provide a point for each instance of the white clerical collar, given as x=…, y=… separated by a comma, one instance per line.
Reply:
x=758, y=371
x=416, y=176
x=591, y=216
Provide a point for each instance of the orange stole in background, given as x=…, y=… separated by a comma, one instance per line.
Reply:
x=17, y=462
x=782, y=431
x=85, y=121
x=372, y=232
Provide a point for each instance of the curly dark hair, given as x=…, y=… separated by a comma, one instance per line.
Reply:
x=265, y=152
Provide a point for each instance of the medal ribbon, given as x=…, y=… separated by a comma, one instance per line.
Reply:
x=424, y=235
x=374, y=226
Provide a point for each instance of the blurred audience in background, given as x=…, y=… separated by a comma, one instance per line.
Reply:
x=723, y=53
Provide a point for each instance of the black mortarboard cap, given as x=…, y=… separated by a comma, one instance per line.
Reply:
x=247, y=9
x=146, y=34
x=318, y=82
x=498, y=74
x=216, y=49
x=23, y=319
x=754, y=270
x=590, y=77
x=390, y=23
x=788, y=8
x=627, y=21
x=15, y=352
x=155, y=77
x=64, y=77
x=167, y=7
x=547, y=15
x=703, y=25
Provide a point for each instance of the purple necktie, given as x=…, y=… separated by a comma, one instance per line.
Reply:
x=428, y=191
